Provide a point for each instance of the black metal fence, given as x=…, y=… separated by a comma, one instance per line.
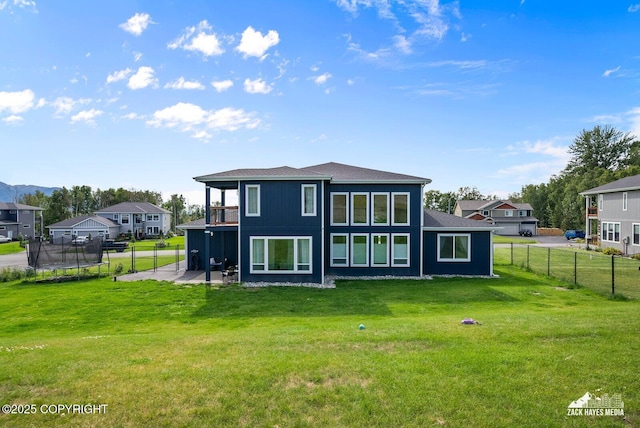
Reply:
x=605, y=274
x=135, y=260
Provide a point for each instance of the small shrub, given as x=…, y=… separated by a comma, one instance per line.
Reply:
x=118, y=269
x=636, y=256
x=10, y=274
x=610, y=251
x=161, y=244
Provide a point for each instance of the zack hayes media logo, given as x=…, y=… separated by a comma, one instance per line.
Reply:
x=590, y=405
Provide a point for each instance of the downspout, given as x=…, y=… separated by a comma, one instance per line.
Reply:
x=207, y=237
x=322, y=237
x=239, y=239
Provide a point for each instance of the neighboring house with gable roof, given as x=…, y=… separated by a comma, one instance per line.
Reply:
x=141, y=219
x=84, y=225
x=613, y=214
x=20, y=220
x=304, y=224
x=512, y=218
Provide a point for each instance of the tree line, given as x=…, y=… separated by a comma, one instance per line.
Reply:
x=598, y=156
x=66, y=203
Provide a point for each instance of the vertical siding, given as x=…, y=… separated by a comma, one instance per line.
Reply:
x=480, y=263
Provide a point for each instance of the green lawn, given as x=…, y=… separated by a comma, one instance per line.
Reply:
x=158, y=354
x=10, y=248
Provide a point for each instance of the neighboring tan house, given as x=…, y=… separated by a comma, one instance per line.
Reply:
x=84, y=225
x=511, y=217
x=141, y=219
x=332, y=220
x=20, y=220
x=613, y=214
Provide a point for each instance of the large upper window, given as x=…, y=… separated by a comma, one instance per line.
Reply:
x=125, y=219
x=454, y=247
x=281, y=254
x=360, y=209
x=400, y=249
x=339, y=209
x=635, y=239
x=400, y=209
x=508, y=213
x=610, y=231
x=380, y=209
x=252, y=200
x=308, y=199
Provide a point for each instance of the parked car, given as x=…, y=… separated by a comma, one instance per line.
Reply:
x=110, y=244
x=4, y=239
x=572, y=234
x=80, y=240
x=526, y=232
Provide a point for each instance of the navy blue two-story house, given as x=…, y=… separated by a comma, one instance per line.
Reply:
x=304, y=224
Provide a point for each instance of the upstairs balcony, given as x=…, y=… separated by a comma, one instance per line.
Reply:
x=223, y=216
x=592, y=212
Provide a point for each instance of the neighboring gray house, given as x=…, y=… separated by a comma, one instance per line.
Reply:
x=511, y=217
x=20, y=220
x=142, y=219
x=613, y=214
x=85, y=225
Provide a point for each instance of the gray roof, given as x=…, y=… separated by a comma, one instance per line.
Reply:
x=328, y=171
x=71, y=222
x=12, y=206
x=438, y=219
x=194, y=224
x=478, y=205
x=627, y=183
x=134, y=208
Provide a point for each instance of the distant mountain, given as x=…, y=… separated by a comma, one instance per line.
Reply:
x=9, y=193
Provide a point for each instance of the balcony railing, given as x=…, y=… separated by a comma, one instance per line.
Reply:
x=592, y=211
x=224, y=215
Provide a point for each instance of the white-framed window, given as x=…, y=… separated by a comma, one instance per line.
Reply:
x=400, y=209
x=339, y=249
x=522, y=213
x=308, y=199
x=339, y=209
x=153, y=230
x=359, y=249
x=116, y=217
x=399, y=249
x=252, y=200
x=380, y=209
x=280, y=254
x=508, y=213
x=624, y=201
x=610, y=231
x=600, y=202
x=153, y=217
x=635, y=234
x=380, y=250
x=454, y=247
x=359, y=209
x=125, y=219
x=485, y=213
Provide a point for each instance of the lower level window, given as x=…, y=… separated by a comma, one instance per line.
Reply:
x=610, y=231
x=281, y=254
x=636, y=234
x=454, y=247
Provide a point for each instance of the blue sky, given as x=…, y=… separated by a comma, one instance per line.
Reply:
x=149, y=94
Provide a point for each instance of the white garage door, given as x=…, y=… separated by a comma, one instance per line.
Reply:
x=508, y=229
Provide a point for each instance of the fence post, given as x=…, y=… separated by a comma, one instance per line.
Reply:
x=177, y=257
x=528, y=248
x=613, y=275
x=575, y=267
x=549, y=261
x=133, y=259
x=512, y=253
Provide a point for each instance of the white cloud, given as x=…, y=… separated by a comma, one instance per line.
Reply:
x=551, y=147
x=257, y=86
x=65, y=105
x=322, y=78
x=13, y=120
x=142, y=79
x=634, y=7
x=87, y=116
x=181, y=83
x=17, y=102
x=253, y=43
x=137, y=56
x=634, y=120
x=131, y=116
x=22, y=4
x=464, y=37
x=402, y=44
x=192, y=118
x=608, y=73
x=222, y=85
x=137, y=23
x=196, y=39
x=119, y=75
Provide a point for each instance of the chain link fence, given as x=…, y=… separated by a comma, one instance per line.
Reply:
x=604, y=274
